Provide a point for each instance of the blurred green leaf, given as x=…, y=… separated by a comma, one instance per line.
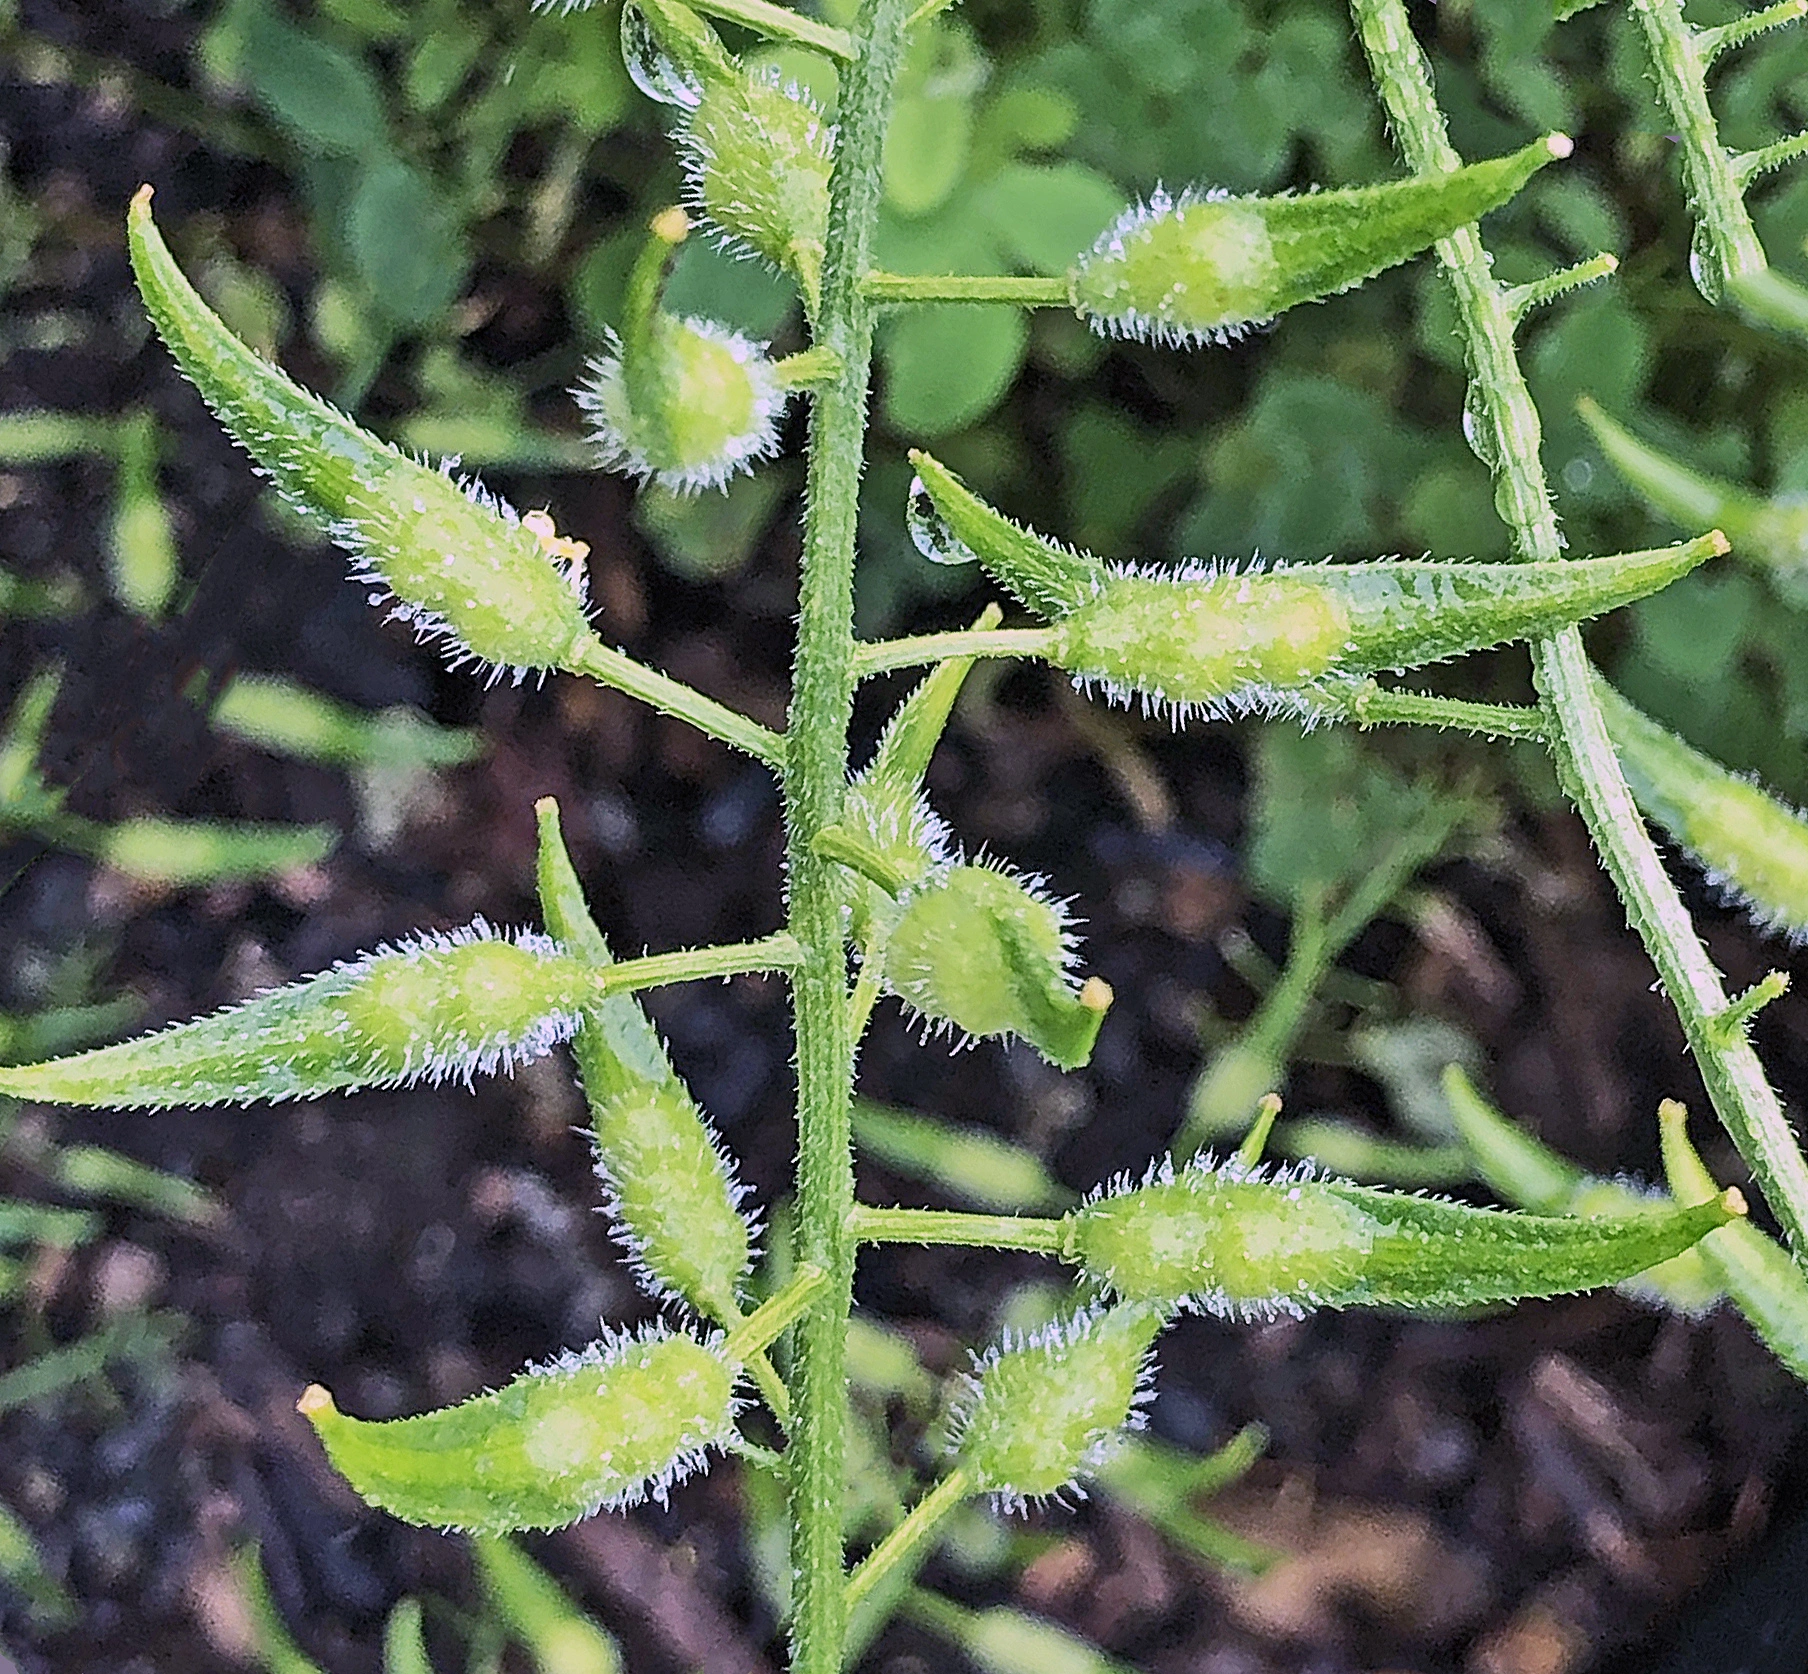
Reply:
x=404, y=242
x=327, y=99
x=948, y=365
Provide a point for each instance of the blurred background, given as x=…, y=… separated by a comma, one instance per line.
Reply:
x=220, y=770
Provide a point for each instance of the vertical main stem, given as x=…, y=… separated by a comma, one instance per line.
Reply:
x=1507, y=429
x=815, y=772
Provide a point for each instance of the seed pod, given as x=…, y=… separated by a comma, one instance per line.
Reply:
x=1771, y=532
x=1217, y=640
x=684, y=402
x=1752, y=846
x=459, y=563
x=1253, y=1244
x=1204, y=267
x=982, y=951
x=667, y=1185
x=435, y=1008
x=670, y=52
x=1038, y=1413
x=618, y=1424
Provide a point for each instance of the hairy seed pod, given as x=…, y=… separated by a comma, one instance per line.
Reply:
x=667, y=1185
x=982, y=951
x=1751, y=844
x=459, y=564
x=1250, y=1243
x=435, y=1008
x=618, y=1424
x=1038, y=1413
x=1211, y=639
x=1204, y=267
x=685, y=402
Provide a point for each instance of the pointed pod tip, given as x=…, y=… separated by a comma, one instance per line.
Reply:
x=1096, y=995
x=141, y=202
x=1717, y=544
x=1732, y=1200
x=315, y=1402
x=671, y=226
x=1559, y=145
x=546, y=808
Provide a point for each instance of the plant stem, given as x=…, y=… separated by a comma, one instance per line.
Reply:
x=1369, y=705
x=878, y=655
x=945, y=1226
x=673, y=697
x=763, y=1327
x=849, y=848
x=1584, y=752
x=777, y=952
x=780, y=23
x=1025, y=292
x=921, y=1522
x=815, y=772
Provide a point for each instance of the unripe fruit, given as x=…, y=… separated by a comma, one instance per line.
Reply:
x=1205, y=267
x=1039, y=1413
x=460, y=564
x=618, y=1424
x=437, y=1008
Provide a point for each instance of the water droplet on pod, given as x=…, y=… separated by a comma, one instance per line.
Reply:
x=1478, y=428
x=929, y=530
x=1704, y=267
x=652, y=69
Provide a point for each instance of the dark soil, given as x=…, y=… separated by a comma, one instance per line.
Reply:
x=1537, y=1492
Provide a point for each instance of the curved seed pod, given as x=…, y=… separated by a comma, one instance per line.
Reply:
x=1751, y=845
x=1764, y=1283
x=670, y=52
x=1204, y=267
x=618, y=1424
x=668, y=1187
x=1769, y=532
x=1530, y=1175
x=685, y=402
x=436, y=1008
x=460, y=564
x=1217, y=640
x=979, y=950
x=1038, y=1413
x=1251, y=1243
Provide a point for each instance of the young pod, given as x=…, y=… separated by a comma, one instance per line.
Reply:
x=1250, y=1243
x=1039, y=1413
x=618, y=1424
x=459, y=563
x=686, y=403
x=667, y=1185
x=1770, y=532
x=1211, y=639
x=1204, y=267
x=435, y=1008
x=983, y=951
x=1750, y=844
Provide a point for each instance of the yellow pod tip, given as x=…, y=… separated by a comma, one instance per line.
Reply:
x=1732, y=1200
x=671, y=226
x=1559, y=145
x=1095, y=994
x=315, y=1398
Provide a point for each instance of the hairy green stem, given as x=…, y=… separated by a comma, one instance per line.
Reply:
x=877, y=656
x=815, y=773
x=1369, y=705
x=673, y=697
x=967, y=287
x=946, y=1226
x=922, y=1521
x=780, y=23
x=776, y=1315
x=777, y=952
x=1584, y=752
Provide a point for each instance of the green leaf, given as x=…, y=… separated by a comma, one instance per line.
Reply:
x=931, y=129
x=191, y=853
x=948, y=365
x=405, y=244
x=560, y=1638
x=1045, y=213
x=327, y=99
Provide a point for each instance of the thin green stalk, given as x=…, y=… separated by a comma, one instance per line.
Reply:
x=880, y=655
x=1584, y=752
x=967, y=287
x=673, y=697
x=1369, y=705
x=815, y=772
x=945, y=1226
x=779, y=23
x=924, y=1518
x=777, y=952
x=776, y=1315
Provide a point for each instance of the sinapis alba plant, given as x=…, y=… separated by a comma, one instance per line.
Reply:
x=882, y=899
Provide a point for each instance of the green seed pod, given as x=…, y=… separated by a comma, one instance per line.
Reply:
x=435, y=1008
x=1753, y=847
x=460, y=564
x=1213, y=640
x=1205, y=267
x=1254, y=1244
x=667, y=1185
x=979, y=950
x=618, y=1424
x=670, y=53
x=1039, y=1412
x=686, y=403
x=1772, y=533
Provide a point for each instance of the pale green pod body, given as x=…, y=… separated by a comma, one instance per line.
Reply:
x=613, y=1426
x=438, y=1008
x=983, y=952
x=1750, y=844
x=1039, y=1413
x=1247, y=1243
x=1222, y=640
x=668, y=1187
x=1205, y=267
x=459, y=563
